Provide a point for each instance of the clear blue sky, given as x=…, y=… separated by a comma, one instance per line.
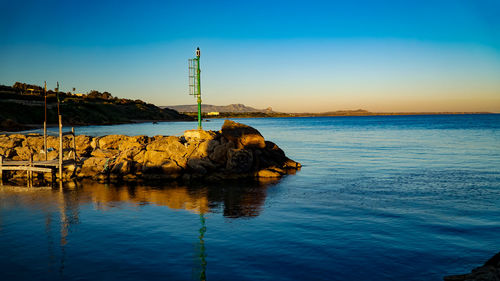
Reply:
x=295, y=56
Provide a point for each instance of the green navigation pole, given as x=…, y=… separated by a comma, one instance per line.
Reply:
x=195, y=82
x=198, y=72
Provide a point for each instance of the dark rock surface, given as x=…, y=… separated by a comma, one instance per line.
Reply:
x=490, y=271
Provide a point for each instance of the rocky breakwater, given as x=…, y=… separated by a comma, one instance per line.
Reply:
x=236, y=151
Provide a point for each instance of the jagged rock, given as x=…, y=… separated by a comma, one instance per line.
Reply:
x=219, y=152
x=201, y=135
x=39, y=156
x=170, y=144
x=7, y=152
x=268, y=173
x=105, y=153
x=211, y=145
x=133, y=142
x=68, y=169
x=239, y=160
x=139, y=157
x=83, y=147
x=490, y=271
x=171, y=167
x=124, y=167
x=191, y=148
x=242, y=135
x=112, y=141
x=290, y=164
x=93, y=166
x=11, y=142
x=94, y=143
x=274, y=152
x=201, y=150
x=17, y=137
x=53, y=143
x=35, y=143
x=153, y=158
x=200, y=166
x=8, y=145
x=51, y=155
x=23, y=153
x=129, y=154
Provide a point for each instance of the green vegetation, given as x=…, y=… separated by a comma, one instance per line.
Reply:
x=21, y=109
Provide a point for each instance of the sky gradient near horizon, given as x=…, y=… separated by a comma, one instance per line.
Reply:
x=296, y=56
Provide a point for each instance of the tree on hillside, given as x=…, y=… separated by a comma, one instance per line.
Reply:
x=98, y=95
x=27, y=88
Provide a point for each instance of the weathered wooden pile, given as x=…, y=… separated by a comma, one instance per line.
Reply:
x=236, y=151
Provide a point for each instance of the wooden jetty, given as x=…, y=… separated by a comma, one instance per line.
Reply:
x=30, y=167
x=45, y=166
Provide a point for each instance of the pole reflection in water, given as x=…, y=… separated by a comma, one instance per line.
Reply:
x=69, y=215
x=63, y=207
x=202, y=274
x=64, y=227
x=50, y=240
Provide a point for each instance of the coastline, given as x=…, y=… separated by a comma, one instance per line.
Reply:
x=347, y=114
x=33, y=127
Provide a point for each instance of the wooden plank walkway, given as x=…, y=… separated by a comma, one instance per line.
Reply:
x=47, y=166
x=39, y=166
x=50, y=163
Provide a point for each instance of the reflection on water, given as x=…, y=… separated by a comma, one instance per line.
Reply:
x=202, y=275
x=242, y=200
x=62, y=206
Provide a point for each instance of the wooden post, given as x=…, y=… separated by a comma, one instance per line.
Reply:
x=28, y=175
x=45, y=122
x=1, y=170
x=53, y=176
x=74, y=144
x=60, y=149
x=31, y=165
x=45, y=139
x=30, y=172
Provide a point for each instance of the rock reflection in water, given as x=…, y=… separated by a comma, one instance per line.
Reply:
x=63, y=205
x=233, y=200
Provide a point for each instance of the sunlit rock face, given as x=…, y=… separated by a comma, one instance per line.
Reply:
x=242, y=135
x=236, y=151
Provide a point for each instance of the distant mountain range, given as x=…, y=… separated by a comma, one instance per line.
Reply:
x=235, y=108
x=241, y=110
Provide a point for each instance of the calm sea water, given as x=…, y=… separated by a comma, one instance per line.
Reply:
x=378, y=198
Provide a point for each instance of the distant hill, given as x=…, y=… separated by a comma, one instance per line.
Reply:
x=234, y=108
x=357, y=112
x=21, y=109
x=243, y=111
